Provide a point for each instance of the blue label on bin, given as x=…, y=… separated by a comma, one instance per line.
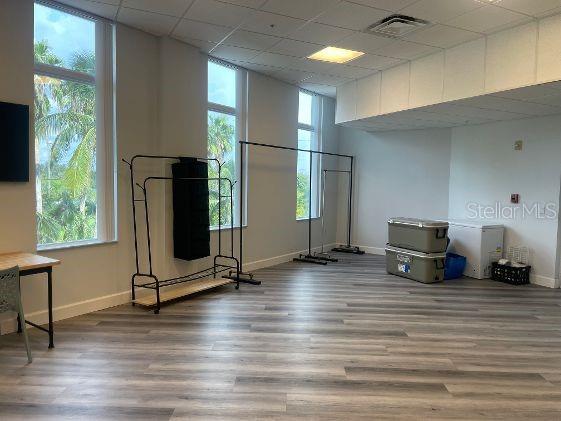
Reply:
x=405, y=268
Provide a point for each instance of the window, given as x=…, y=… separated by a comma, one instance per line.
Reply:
x=73, y=127
x=225, y=129
x=309, y=137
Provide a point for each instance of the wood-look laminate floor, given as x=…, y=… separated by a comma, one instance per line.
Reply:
x=344, y=341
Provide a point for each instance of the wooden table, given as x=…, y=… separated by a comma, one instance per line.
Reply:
x=32, y=264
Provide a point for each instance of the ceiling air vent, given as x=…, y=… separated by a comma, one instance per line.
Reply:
x=396, y=26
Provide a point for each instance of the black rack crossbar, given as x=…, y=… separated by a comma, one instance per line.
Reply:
x=289, y=148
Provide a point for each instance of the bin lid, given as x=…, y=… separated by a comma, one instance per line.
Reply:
x=416, y=253
x=421, y=223
x=474, y=223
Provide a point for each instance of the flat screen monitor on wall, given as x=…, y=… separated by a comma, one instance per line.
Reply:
x=14, y=142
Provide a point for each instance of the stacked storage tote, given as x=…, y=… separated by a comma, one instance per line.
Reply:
x=417, y=249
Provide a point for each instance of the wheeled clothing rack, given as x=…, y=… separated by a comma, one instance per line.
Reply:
x=222, y=263
x=309, y=257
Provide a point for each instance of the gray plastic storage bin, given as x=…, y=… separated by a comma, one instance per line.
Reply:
x=422, y=267
x=417, y=234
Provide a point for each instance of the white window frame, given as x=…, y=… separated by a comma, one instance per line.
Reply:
x=104, y=82
x=239, y=112
x=316, y=144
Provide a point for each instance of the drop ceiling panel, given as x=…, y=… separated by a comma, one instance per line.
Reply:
x=554, y=100
x=313, y=66
x=442, y=36
x=277, y=60
x=375, y=62
x=255, y=4
x=391, y=5
x=151, y=22
x=228, y=53
x=291, y=76
x=363, y=42
x=169, y=7
x=472, y=113
x=422, y=115
x=350, y=71
x=298, y=8
x=295, y=48
x=218, y=13
x=113, y=2
x=197, y=30
x=204, y=46
x=328, y=80
x=352, y=16
x=533, y=7
x=252, y=40
x=504, y=104
x=260, y=68
x=440, y=10
x=530, y=93
x=488, y=19
x=272, y=24
x=319, y=33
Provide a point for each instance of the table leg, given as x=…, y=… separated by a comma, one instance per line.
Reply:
x=50, y=298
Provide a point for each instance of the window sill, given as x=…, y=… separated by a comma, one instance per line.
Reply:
x=74, y=245
x=227, y=228
x=315, y=218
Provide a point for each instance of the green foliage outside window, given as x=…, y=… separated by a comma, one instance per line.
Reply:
x=65, y=143
x=302, y=195
x=221, y=145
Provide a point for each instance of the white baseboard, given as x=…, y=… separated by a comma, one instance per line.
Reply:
x=69, y=310
x=277, y=260
x=380, y=251
x=544, y=281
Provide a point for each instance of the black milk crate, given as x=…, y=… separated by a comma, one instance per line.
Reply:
x=511, y=275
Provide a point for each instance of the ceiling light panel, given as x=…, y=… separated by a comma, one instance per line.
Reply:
x=336, y=55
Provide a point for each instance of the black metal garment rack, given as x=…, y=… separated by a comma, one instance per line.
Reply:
x=233, y=268
x=309, y=257
x=347, y=248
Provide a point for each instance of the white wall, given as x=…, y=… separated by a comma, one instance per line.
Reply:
x=486, y=169
x=403, y=173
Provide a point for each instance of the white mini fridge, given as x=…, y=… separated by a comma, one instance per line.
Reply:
x=480, y=242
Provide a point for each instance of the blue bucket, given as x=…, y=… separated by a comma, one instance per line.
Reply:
x=455, y=266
